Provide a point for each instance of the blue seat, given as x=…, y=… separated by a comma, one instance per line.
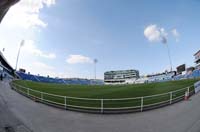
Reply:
x=36, y=78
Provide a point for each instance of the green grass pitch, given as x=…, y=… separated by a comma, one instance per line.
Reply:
x=108, y=92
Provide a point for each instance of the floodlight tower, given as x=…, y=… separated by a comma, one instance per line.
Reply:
x=21, y=44
x=95, y=62
x=164, y=41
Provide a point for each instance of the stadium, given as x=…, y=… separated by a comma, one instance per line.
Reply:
x=93, y=96
x=131, y=93
x=121, y=91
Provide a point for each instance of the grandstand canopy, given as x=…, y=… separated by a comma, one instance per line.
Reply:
x=4, y=7
x=197, y=53
x=4, y=63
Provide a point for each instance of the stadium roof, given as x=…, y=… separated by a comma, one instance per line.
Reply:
x=196, y=52
x=4, y=7
x=4, y=63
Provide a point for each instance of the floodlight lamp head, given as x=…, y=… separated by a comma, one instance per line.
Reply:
x=22, y=43
x=164, y=40
x=95, y=60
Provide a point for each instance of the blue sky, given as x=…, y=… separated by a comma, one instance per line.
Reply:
x=65, y=36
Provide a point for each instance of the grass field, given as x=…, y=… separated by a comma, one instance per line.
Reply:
x=108, y=92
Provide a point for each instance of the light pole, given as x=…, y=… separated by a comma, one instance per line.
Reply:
x=169, y=56
x=95, y=61
x=164, y=41
x=21, y=44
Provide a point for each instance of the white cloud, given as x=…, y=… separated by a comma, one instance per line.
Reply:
x=154, y=33
x=44, y=69
x=42, y=66
x=74, y=59
x=24, y=21
x=30, y=47
x=176, y=34
x=26, y=14
x=18, y=24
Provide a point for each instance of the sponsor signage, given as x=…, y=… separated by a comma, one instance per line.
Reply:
x=197, y=87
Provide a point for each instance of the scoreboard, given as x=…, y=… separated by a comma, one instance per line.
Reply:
x=180, y=68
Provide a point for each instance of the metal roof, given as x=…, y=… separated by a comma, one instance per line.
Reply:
x=196, y=52
x=4, y=7
x=4, y=62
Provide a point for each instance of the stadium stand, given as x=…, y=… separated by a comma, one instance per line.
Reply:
x=161, y=77
x=76, y=81
x=5, y=68
x=27, y=77
x=121, y=76
x=194, y=74
x=142, y=79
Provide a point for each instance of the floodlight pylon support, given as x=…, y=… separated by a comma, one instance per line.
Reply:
x=21, y=44
x=95, y=62
x=169, y=56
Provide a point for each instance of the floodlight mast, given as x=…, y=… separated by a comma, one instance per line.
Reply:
x=169, y=57
x=21, y=44
x=95, y=62
x=164, y=41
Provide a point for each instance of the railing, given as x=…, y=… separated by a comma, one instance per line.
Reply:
x=105, y=105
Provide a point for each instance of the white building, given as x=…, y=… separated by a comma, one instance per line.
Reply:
x=197, y=60
x=121, y=76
